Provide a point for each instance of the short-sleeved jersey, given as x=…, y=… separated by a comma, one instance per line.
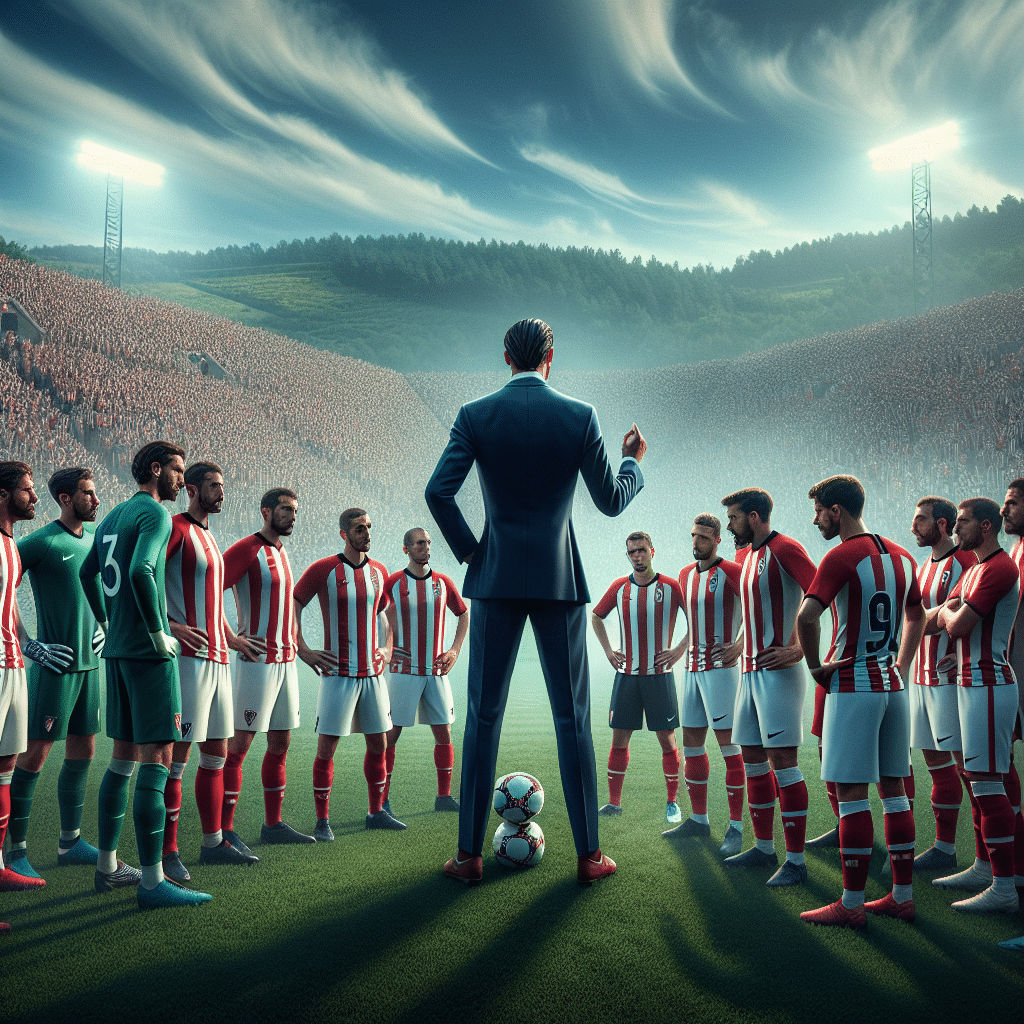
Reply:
x=420, y=603
x=52, y=558
x=195, y=586
x=128, y=559
x=936, y=579
x=992, y=589
x=772, y=585
x=10, y=577
x=262, y=577
x=1017, y=554
x=647, y=615
x=351, y=596
x=711, y=603
x=869, y=581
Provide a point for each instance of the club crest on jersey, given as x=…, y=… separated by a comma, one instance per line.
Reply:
x=760, y=566
x=375, y=578
x=49, y=722
x=713, y=584
x=186, y=729
x=436, y=587
x=177, y=721
x=945, y=577
x=659, y=594
x=249, y=716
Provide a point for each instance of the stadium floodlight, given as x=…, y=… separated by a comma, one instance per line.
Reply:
x=917, y=151
x=118, y=167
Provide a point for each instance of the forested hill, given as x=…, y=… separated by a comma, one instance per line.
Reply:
x=667, y=314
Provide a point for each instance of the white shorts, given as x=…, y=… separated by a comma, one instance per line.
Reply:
x=420, y=700
x=770, y=708
x=987, y=714
x=266, y=696
x=709, y=697
x=346, y=705
x=207, y=711
x=934, y=717
x=865, y=736
x=13, y=711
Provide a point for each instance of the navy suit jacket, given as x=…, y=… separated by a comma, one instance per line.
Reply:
x=530, y=444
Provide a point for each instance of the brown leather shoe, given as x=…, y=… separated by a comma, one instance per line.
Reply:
x=593, y=867
x=465, y=868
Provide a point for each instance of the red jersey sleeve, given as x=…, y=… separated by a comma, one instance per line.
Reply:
x=794, y=559
x=237, y=560
x=177, y=535
x=733, y=573
x=385, y=594
x=997, y=580
x=454, y=602
x=313, y=579
x=607, y=603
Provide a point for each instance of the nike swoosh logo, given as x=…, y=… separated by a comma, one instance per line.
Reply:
x=718, y=719
x=942, y=739
x=966, y=759
x=66, y=557
x=772, y=735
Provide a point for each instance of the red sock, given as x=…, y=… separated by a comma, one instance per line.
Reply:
x=997, y=829
x=618, y=760
x=670, y=766
x=1011, y=783
x=735, y=783
x=172, y=806
x=697, y=770
x=793, y=808
x=899, y=841
x=856, y=837
x=947, y=796
x=375, y=770
x=5, y=810
x=389, y=767
x=323, y=780
x=210, y=798
x=444, y=761
x=833, y=798
x=232, y=789
x=273, y=774
x=761, y=801
x=980, y=849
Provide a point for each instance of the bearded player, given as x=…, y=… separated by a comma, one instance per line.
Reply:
x=419, y=685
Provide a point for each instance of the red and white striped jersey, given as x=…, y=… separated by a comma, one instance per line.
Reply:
x=263, y=580
x=419, y=610
x=195, y=586
x=647, y=615
x=711, y=603
x=10, y=577
x=1017, y=554
x=869, y=581
x=936, y=578
x=992, y=589
x=772, y=585
x=351, y=596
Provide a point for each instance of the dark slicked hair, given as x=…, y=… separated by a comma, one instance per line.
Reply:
x=196, y=473
x=346, y=517
x=11, y=473
x=527, y=342
x=843, y=490
x=1016, y=485
x=407, y=539
x=942, y=508
x=751, y=499
x=640, y=535
x=273, y=497
x=984, y=510
x=155, y=451
x=65, y=481
x=710, y=521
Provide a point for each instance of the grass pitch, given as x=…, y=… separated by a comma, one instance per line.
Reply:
x=367, y=929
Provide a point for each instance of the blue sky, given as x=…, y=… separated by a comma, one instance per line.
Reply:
x=691, y=131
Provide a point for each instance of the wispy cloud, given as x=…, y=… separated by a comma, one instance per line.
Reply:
x=596, y=182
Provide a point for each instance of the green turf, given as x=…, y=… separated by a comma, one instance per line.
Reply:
x=367, y=929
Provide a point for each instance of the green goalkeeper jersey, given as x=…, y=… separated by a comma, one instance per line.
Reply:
x=53, y=556
x=124, y=574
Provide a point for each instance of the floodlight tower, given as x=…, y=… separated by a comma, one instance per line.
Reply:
x=917, y=152
x=117, y=167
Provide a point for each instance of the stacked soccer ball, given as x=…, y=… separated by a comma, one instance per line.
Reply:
x=519, y=842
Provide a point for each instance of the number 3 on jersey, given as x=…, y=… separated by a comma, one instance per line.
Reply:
x=110, y=539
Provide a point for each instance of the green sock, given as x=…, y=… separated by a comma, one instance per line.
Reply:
x=23, y=787
x=113, y=805
x=149, y=812
x=71, y=784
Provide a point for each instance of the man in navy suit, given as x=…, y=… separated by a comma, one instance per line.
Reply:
x=529, y=444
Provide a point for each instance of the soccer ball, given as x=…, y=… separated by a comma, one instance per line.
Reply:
x=518, y=846
x=518, y=797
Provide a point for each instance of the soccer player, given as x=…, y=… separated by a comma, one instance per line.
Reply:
x=768, y=721
x=420, y=664
x=124, y=580
x=979, y=615
x=62, y=705
x=353, y=693
x=711, y=602
x=195, y=610
x=266, y=693
x=934, y=718
x=871, y=584
x=647, y=603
